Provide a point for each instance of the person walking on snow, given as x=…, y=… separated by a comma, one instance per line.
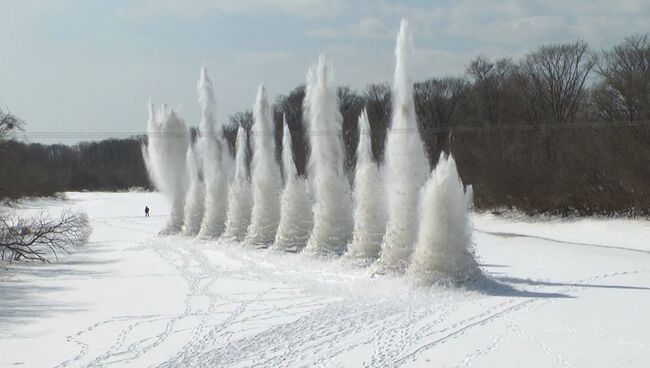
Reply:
x=146, y=211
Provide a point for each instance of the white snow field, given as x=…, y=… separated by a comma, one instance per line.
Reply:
x=562, y=293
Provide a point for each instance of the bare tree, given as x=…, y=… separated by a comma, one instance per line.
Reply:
x=9, y=124
x=491, y=81
x=350, y=105
x=624, y=93
x=378, y=100
x=35, y=238
x=435, y=103
x=553, y=80
x=290, y=105
x=39, y=237
x=242, y=119
x=608, y=104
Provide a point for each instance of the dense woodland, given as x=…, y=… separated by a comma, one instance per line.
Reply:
x=41, y=170
x=564, y=130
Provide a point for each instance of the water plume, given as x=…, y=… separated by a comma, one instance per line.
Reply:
x=405, y=164
x=332, y=215
x=195, y=198
x=164, y=155
x=469, y=195
x=216, y=161
x=239, y=194
x=444, y=246
x=265, y=177
x=295, y=205
x=369, y=216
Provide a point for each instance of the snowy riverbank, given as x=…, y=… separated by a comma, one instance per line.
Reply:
x=565, y=293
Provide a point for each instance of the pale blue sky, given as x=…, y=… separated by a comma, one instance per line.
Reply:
x=70, y=66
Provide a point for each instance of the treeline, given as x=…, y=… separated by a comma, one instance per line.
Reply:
x=563, y=130
x=42, y=170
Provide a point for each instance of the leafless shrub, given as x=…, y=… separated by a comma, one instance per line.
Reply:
x=39, y=237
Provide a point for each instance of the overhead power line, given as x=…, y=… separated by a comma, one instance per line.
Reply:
x=427, y=130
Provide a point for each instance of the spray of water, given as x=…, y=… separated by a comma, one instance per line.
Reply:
x=164, y=155
x=332, y=213
x=405, y=166
x=295, y=214
x=369, y=214
x=469, y=195
x=216, y=162
x=265, y=179
x=444, y=245
x=239, y=194
x=195, y=198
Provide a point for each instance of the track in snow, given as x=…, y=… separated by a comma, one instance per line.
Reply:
x=234, y=306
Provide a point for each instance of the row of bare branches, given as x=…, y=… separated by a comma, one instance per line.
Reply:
x=41, y=237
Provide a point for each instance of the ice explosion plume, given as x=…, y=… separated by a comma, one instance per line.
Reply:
x=369, y=217
x=239, y=194
x=265, y=177
x=405, y=164
x=194, y=201
x=167, y=144
x=216, y=161
x=444, y=247
x=332, y=215
x=296, y=217
x=401, y=221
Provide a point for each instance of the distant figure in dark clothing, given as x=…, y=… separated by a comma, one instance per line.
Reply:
x=146, y=211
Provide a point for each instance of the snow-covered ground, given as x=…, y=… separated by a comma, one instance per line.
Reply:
x=562, y=293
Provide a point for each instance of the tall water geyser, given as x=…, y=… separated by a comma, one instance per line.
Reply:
x=266, y=180
x=195, y=198
x=405, y=164
x=167, y=143
x=239, y=194
x=332, y=211
x=295, y=213
x=369, y=214
x=215, y=159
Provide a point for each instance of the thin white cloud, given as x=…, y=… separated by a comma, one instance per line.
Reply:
x=525, y=29
x=358, y=35
x=143, y=10
x=306, y=8
x=425, y=20
x=266, y=57
x=430, y=63
x=365, y=28
x=521, y=24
